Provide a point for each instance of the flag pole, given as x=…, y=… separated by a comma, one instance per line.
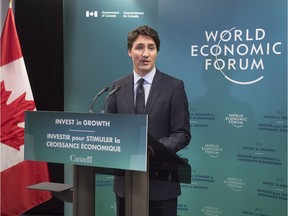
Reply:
x=10, y=3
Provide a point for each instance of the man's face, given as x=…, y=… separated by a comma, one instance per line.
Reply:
x=143, y=54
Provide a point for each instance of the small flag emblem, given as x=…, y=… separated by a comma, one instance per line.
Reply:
x=91, y=13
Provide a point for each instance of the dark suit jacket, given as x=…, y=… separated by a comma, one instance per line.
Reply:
x=168, y=122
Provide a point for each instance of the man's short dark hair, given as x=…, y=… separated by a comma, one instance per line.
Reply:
x=143, y=30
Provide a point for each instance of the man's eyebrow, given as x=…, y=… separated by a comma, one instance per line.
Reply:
x=142, y=44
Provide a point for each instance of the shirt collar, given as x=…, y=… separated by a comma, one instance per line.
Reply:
x=148, y=77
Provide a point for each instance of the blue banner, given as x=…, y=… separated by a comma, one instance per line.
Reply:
x=232, y=56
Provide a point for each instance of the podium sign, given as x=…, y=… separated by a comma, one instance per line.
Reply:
x=117, y=141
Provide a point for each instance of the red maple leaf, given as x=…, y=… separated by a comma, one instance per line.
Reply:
x=11, y=115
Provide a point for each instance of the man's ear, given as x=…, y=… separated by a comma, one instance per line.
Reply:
x=129, y=52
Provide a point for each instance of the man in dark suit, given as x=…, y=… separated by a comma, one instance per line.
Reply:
x=165, y=103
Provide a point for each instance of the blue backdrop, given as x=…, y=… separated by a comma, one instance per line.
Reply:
x=232, y=56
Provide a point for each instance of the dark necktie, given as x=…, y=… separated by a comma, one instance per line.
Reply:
x=140, y=97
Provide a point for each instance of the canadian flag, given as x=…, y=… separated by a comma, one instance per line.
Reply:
x=16, y=98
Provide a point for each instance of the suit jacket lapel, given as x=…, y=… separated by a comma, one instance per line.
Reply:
x=129, y=94
x=154, y=92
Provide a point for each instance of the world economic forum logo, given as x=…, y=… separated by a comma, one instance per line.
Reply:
x=213, y=150
x=237, y=120
x=236, y=184
x=238, y=54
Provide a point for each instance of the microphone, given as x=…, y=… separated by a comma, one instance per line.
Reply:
x=116, y=88
x=106, y=88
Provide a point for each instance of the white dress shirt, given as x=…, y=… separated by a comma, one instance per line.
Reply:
x=146, y=84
